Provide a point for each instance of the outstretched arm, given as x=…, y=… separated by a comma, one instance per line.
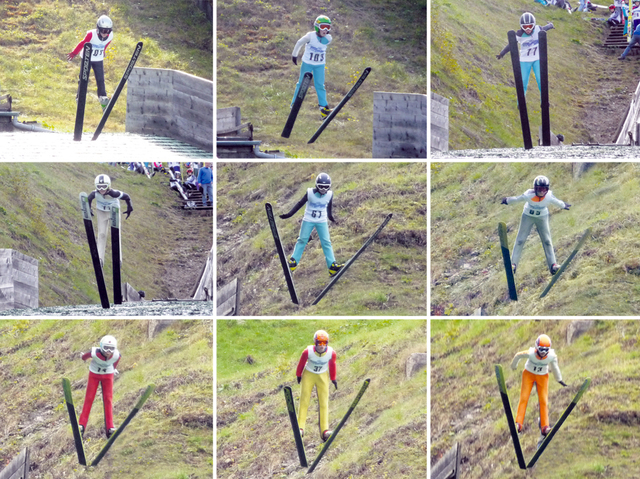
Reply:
x=295, y=208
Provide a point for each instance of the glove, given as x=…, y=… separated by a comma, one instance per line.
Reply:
x=70, y=56
x=128, y=212
x=91, y=211
x=294, y=60
x=335, y=383
x=567, y=206
x=550, y=23
x=299, y=379
x=504, y=201
x=116, y=372
x=82, y=354
x=563, y=383
x=514, y=367
x=284, y=217
x=498, y=56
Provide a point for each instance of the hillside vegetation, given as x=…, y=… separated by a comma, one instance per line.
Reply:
x=255, y=72
x=37, y=35
x=598, y=440
x=389, y=278
x=467, y=270
x=384, y=437
x=589, y=89
x=171, y=436
x=163, y=248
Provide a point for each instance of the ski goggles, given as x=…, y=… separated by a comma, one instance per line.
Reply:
x=104, y=31
x=321, y=343
x=102, y=187
x=528, y=26
x=542, y=352
x=323, y=188
x=324, y=26
x=109, y=349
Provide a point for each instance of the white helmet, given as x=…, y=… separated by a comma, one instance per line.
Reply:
x=103, y=182
x=104, y=26
x=108, y=343
x=541, y=183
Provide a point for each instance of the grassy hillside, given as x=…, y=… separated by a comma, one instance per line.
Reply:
x=389, y=278
x=599, y=439
x=384, y=437
x=171, y=436
x=255, y=72
x=37, y=35
x=40, y=217
x=467, y=271
x=589, y=89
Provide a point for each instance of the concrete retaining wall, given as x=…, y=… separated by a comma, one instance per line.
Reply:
x=170, y=103
x=399, y=125
x=439, y=122
x=18, y=280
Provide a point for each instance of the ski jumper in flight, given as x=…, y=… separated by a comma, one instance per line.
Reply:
x=106, y=198
x=536, y=213
x=318, y=209
x=527, y=37
x=314, y=59
x=104, y=361
x=317, y=367
x=100, y=38
x=536, y=371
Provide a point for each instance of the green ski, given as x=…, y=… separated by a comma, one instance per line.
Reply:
x=115, y=435
x=291, y=408
x=68, y=399
x=504, y=245
x=557, y=426
x=337, y=429
x=507, y=409
x=566, y=263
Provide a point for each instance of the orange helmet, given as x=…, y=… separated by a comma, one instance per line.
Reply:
x=543, y=345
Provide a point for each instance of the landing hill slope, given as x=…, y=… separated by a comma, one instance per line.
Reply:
x=255, y=71
x=589, y=89
x=599, y=438
x=467, y=270
x=389, y=278
x=385, y=436
x=172, y=434
x=163, y=247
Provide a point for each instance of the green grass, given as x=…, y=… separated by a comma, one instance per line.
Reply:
x=389, y=278
x=255, y=72
x=385, y=435
x=465, y=38
x=467, y=271
x=598, y=439
x=41, y=218
x=37, y=35
x=171, y=435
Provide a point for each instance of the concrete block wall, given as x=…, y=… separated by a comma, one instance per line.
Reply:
x=170, y=103
x=18, y=280
x=399, y=125
x=439, y=122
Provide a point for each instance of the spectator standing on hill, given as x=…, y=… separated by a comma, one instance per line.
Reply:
x=635, y=14
x=100, y=38
x=205, y=179
x=527, y=37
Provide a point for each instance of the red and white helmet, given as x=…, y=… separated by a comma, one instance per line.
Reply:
x=543, y=345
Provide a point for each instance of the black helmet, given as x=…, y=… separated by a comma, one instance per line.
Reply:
x=323, y=183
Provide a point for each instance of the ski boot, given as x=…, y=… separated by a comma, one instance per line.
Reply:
x=325, y=111
x=81, y=427
x=519, y=427
x=110, y=432
x=334, y=268
x=554, y=268
x=293, y=264
x=514, y=267
x=301, y=432
x=326, y=435
x=104, y=102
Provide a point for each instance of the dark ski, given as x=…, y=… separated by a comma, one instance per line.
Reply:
x=346, y=266
x=116, y=94
x=566, y=262
x=342, y=103
x=115, y=435
x=77, y=437
x=557, y=426
x=297, y=103
x=544, y=89
x=85, y=71
x=291, y=409
x=93, y=248
x=507, y=409
x=522, y=103
x=281, y=255
x=506, y=258
x=337, y=429
x=116, y=255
